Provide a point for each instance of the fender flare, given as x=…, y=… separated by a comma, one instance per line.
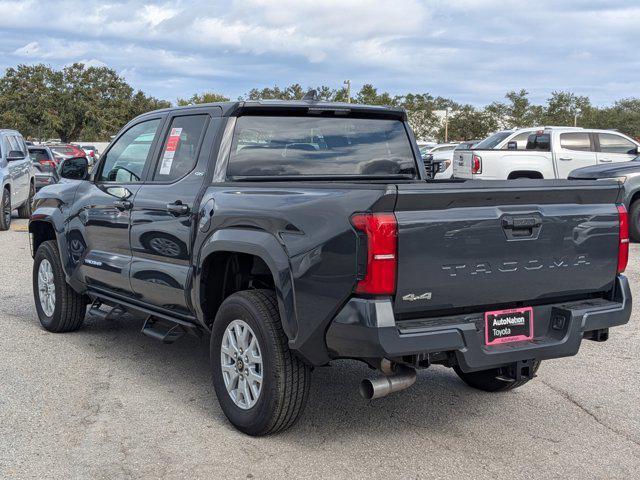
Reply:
x=265, y=246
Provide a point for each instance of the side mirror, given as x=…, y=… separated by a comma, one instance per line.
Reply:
x=15, y=155
x=75, y=168
x=512, y=145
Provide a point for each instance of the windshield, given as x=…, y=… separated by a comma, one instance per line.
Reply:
x=492, y=141
x=312, y=146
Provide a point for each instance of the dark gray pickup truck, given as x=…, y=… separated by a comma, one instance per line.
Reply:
x=296, y=233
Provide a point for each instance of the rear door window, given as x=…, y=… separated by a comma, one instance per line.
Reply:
x=180, y=150
x=578, y=141
x=320, y=146
x=612, y=143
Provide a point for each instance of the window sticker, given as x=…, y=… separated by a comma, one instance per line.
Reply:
x=170, y=151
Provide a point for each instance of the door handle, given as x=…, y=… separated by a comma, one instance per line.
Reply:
x=177, y=208
x=123, y=205
x=566, y=159
x=606, y=160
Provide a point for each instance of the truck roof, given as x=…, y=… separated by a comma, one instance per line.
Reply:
x=284, y=107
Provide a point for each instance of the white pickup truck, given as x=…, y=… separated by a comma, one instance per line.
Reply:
x=551, y=152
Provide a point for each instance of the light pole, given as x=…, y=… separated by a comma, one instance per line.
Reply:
x=575, y=119
x=446, y=125
x=347, y=83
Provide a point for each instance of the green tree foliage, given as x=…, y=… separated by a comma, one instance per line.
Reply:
x=94, y=103
x=206, y=97
x=77, y=101
x=468, y=123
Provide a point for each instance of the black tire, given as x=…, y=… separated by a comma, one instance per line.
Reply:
x=634, y=221
x=70, y=306
x=25, y=210
x=5, y=210
x=286, y=379
x=488, y=381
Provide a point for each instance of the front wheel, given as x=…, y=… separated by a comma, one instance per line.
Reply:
x=493, y=380
x=60, y=308
x=262, y=387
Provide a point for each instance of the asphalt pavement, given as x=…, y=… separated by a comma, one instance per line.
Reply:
x=107, y=402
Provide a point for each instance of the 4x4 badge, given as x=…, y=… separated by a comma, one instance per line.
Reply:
x=412, y=297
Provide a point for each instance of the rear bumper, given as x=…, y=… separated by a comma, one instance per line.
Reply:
x=367, y=329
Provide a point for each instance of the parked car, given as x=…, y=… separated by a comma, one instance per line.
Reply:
x=628, y=174
x=45, y=175
x=441, y=162
x=91, y=153
x=295, y=239
x=43, y=155
x=16, y=177
x=435, y=157
x=550, y=153
x=68, y=150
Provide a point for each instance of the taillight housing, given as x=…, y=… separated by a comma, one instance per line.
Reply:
x=476, y=164
x=623, y=246
x=381, y=232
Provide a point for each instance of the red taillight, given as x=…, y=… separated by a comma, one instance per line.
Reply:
x=476, y=164
x=49, y=163
x=623, y=247
x=381, y=230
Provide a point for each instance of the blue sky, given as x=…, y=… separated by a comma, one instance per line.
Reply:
x=471, y=51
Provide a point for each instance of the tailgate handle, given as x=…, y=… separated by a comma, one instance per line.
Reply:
x=521, y=223
x=521, y=227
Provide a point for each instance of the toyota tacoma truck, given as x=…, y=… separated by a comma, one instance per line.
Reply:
x=300, y=232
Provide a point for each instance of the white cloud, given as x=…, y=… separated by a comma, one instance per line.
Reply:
x=473, y=50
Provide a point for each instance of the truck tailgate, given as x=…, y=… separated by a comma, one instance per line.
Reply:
x=462, y=163
x=482, y=244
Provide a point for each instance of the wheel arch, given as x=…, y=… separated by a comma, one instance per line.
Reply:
x=533, y=174
x=257, y=254
x=39, y=232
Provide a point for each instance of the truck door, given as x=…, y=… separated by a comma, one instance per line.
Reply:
x=573, y=150
x=612, y=147
x=98, y=232
x=165, y=210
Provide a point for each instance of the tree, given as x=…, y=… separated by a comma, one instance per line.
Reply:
x=562, y=108
x=94, y=102
x=469, y=123
x=206, y=97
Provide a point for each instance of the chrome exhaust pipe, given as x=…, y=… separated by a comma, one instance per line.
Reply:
x=383, y=386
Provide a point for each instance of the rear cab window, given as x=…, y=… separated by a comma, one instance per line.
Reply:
x=181, y=146
x=612, y=143
x=305, y=146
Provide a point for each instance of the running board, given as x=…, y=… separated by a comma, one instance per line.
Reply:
x=163, y=330
x=160, y=326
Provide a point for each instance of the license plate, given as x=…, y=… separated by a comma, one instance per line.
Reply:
x=503, y=326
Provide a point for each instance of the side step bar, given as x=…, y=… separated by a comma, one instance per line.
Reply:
x=163, y=330
x=160, y=326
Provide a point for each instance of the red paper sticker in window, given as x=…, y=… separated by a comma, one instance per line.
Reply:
x=170, y=150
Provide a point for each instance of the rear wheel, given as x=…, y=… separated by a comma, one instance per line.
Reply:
x=5, y=210
x=493, y=380
x=60, y=308
x=262, y=387
x=25, y=210
x=634, y=221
